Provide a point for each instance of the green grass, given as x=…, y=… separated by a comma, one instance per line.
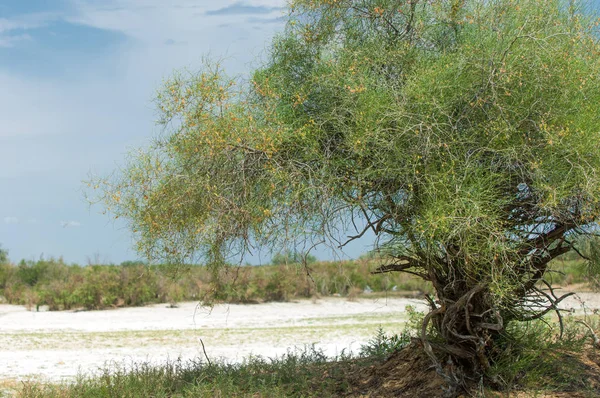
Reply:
x=530, y=356
x=301, y=374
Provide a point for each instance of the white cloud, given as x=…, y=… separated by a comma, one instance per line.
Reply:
x=27, y=21
x=22, y=23
x=158, y=22
x=240, y=8
x=11, y=41
x=16, y=220
x=70, y=224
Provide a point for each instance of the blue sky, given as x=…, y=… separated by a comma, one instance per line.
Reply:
x=77, y=79
x=76, y=82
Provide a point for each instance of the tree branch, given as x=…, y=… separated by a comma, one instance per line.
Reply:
x=403, y=265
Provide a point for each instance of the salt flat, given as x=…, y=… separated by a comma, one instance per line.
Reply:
x=57, y=346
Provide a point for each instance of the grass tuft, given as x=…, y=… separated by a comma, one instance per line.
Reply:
x=531, y=356
x=296, y=374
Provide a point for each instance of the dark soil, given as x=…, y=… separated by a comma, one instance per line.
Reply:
x=409, y=373
x=406, y=373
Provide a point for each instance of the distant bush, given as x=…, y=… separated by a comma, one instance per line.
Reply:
x=292, y=257
x=3, y=256
x=61, y=286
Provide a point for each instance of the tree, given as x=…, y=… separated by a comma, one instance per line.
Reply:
x=462, y=133
x=3, y=256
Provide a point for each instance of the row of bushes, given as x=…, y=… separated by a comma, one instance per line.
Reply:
x=61, y=286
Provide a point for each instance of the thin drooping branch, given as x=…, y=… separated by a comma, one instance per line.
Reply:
x=553, y=305
x=576, y=250
x=373, y=225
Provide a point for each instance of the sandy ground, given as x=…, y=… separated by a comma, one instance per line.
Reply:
x=56, y=346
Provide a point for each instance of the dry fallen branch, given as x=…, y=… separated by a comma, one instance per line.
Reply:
x=593, y=334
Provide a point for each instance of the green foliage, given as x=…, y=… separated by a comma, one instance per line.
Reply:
x=5, y=268
x=3, y=255
x=568, y=272
x=62, y=287
x=31, y=273
x=415, y=319
x=581, y=266
x=383, y=345
x=133, y=263
x=589, y=247
x=292, y=257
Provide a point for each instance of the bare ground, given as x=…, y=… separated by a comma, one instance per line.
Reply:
x=56, y=346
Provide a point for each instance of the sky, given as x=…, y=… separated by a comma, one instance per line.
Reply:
x=77, y=79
